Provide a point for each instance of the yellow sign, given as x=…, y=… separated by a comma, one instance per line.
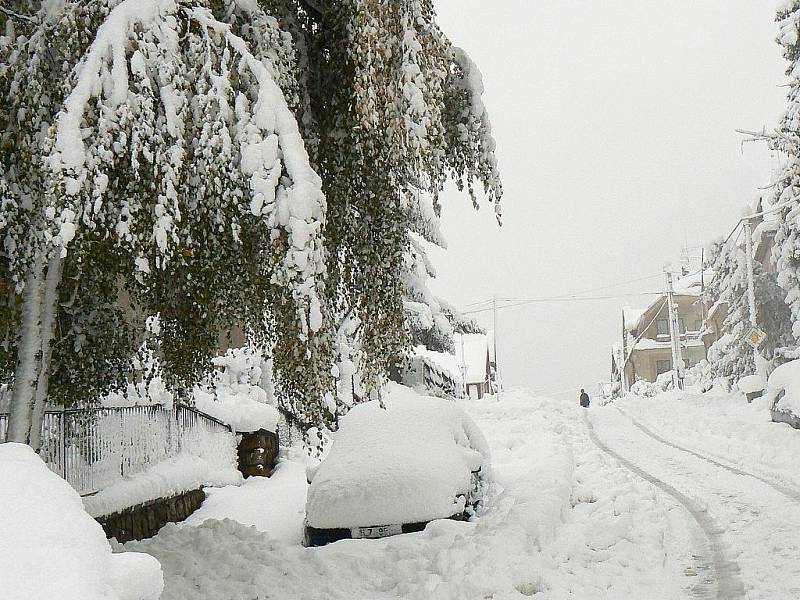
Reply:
x=755, y=336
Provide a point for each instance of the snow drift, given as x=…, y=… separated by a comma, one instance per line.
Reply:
x=50, y=548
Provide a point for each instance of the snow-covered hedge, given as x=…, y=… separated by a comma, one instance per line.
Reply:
x=51, y=548
x=404, y=463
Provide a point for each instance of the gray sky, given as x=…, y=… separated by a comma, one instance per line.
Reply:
x=615, y=124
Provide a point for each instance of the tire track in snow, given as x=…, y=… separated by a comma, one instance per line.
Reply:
x=725, y=571
x=790, y=493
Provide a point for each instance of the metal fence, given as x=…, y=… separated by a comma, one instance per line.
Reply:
x=94, y=447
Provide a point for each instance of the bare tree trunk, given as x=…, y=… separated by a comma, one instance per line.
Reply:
x=49, y=313
x=29, y=348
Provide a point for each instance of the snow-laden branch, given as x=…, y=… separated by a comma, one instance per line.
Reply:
x=19, y=16
x=133, y=68
x=111, y=41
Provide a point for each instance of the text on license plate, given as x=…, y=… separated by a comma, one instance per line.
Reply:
x=378, y=531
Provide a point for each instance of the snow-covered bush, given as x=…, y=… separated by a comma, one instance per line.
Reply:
x=51, y=548
x=648, y=389
x=234, y=394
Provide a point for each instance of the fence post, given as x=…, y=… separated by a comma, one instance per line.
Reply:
x=63, y=427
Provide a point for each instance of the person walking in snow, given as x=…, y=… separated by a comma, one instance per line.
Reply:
x=584, y=399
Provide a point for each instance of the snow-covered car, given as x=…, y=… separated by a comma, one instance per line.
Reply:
x=783, y=394
x=393, y=470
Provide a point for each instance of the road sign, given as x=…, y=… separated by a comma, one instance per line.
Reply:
x=754, y=337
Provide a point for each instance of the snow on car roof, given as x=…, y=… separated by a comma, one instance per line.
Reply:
x=786, y=379
x=406, y=463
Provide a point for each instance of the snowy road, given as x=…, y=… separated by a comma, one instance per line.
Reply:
x=562, y=520
x=585, y=505
x=751, y=521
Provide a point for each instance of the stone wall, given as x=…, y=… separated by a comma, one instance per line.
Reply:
x=258, y=452
x=144, y=520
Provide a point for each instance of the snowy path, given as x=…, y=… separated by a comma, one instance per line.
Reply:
x=757, y=523
x=790, y=492
x=723, y=582
x=562, y=521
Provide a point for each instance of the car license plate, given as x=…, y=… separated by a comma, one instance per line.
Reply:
x=379, y=531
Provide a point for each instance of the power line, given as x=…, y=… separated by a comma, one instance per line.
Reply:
x=587, y=291
x=562, y=299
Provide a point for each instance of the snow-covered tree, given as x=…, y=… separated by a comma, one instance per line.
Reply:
x=173, y=158
x=730, y=357
x=166, y=175
x=786, y=141
x=396, y=109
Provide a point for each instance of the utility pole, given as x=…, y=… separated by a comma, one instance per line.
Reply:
x=751, y=288
x=494, y=342
x=758, y=360
x=463, y=367
x=674, y=336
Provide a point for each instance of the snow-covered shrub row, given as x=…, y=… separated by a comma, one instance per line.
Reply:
x=649, y=389
x=51, y=548
x=236, y=394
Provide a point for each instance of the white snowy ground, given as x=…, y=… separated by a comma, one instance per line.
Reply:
x=563, y=520
x=739, y=468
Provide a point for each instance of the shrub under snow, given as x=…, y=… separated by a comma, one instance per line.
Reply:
x=51, y=548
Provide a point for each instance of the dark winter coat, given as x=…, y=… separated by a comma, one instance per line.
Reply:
x=585, y=400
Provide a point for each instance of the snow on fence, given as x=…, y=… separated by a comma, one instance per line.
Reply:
x=440, y=381
x=94, y=447
x=289, y=429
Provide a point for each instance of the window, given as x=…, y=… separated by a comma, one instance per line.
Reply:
x=698, y=325
x=681, y=326
x=662, y=327
x=662, y=366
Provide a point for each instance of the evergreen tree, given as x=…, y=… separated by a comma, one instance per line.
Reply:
x=731, y=358
x=787, y=187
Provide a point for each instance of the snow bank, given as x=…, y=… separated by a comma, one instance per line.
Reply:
x=272, y=504
x=406, y=463
x=785, y=379
x=724, y=426
x=50, y=548
x=164, y=479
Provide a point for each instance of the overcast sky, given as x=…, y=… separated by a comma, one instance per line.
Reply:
x=615, y=124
